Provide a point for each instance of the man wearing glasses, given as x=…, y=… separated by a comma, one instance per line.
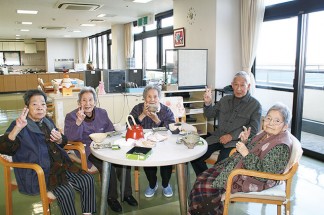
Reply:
x=233, y=113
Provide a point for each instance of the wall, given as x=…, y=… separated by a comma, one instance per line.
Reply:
x=217, y=28
x=60, y=49
x=228, y=41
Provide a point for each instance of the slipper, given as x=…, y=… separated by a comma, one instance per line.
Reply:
x=93, y=170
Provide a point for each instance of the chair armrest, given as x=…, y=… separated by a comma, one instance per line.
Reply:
x=253, y=173
x=73, y=145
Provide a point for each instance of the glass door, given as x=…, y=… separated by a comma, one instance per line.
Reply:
x=312, y=135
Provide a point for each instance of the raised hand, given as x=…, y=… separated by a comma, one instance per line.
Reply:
x=80, y=116
x=244, y=135
x=21, y=121
x=208, y=96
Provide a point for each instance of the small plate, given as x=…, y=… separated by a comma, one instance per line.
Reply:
x=102, y=145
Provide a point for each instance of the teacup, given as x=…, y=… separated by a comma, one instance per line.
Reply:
x=152, y=108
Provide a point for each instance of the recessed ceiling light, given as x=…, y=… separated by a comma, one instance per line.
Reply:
x=17, y=35
x=26, y=23
x=141, y=1
x=24, y=29
x=76, y=31
x=27, y=11
x=87, y=25
x=102, y=15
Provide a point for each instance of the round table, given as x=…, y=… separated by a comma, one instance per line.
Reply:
x=164, y=153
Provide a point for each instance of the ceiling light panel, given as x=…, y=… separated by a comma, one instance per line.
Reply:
x=87, y=25
x=27, y=11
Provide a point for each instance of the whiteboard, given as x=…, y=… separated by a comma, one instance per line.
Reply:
x=192, y=68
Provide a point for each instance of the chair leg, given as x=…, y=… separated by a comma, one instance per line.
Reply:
x=136, y=178
x=278, y=209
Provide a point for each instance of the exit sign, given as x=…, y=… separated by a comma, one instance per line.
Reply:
x=146, y=20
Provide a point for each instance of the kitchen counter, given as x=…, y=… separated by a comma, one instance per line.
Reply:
x=22, y=82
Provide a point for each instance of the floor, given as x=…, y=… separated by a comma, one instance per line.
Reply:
x=308, y=185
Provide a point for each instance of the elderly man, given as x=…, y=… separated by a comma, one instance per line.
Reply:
x=233, y=112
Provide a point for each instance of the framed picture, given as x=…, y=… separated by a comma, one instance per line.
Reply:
x=179, y=37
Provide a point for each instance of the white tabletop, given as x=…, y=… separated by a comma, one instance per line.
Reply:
x=164, y=153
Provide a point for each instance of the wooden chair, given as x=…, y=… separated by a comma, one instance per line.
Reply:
x=175, y=103
x=46, y=197
x=278, y=195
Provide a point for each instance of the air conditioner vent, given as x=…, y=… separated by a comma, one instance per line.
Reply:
x=96, y=20
x=78, y=6
x=53, y=28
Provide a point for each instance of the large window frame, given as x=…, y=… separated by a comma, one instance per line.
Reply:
x=101, y=41
x=159, y=33
x=300, y=9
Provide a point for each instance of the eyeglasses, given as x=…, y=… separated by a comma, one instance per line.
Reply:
x=268, y=119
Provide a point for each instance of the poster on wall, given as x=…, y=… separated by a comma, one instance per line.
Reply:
x=179, y=37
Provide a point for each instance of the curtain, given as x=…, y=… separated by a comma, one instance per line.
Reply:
x=252, y=12
x=85, y=50
x=129, y=45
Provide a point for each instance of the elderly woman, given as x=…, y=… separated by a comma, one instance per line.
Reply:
x=149, y=117
x=268, y=151
x=33, y=138
x=88, y=119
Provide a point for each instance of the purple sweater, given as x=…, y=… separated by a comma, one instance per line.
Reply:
x=101, y=123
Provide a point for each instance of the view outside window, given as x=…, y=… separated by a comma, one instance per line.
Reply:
x=150, y=53
x=276, y=53
x=272, y=2
x=104, y=52
x=99, y=52
x=138, y=54
x=167, y=43
x=315, y=50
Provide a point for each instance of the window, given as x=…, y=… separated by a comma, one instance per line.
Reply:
x=100, y=50
x=274, y=67
x=289, y=68
x=151, y=42
x=10, y=58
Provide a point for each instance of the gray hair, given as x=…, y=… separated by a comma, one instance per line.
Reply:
x=150, y=87
x=244, y=75
x=87, y=90
x=284, y=111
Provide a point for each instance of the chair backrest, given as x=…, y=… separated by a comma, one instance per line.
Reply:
x=296, y=153
x=175, y=103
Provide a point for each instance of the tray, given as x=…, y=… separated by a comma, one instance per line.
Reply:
x=139, y=153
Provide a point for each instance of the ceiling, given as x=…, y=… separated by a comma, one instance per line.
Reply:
x=49, y=15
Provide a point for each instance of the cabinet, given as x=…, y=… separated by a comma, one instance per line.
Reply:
x=19, y=46
x=9, y=83
x=8, y=46
x=194, y=103
x=40, y=46
x=21, y=82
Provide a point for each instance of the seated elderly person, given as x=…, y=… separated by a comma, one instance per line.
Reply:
x=268, y=151
x=88, y=119
x=33, y=138
x=152, y=114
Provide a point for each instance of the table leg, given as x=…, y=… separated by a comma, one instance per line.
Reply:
x=122, y=190
x=182, y=187
x=106, y=167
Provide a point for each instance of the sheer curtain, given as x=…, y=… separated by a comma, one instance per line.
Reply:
x=252, y=12
x=129, y=45
x=85, y=50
